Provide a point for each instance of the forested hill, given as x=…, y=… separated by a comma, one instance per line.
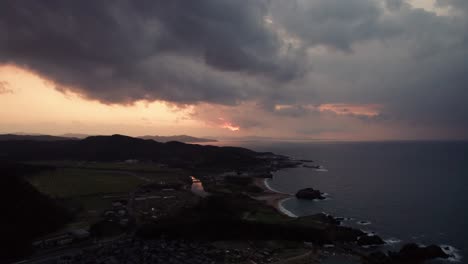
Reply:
x=119, y=148
x=12, y=137
x=180, y=138
x=26, y=213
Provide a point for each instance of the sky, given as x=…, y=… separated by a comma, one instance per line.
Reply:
x=296, y=69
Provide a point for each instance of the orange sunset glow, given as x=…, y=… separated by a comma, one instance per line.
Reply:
x=229, y=125
x=369, y=110
x=30, y=103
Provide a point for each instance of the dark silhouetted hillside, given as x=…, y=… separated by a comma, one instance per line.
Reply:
x=180, y=138
x=26, y=213
x=75, y=135
x=11, y=137
x=117, y=147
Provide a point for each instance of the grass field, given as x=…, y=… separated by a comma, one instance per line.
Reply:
x=71, y=182
x=82, y=186
x=85, y=188
x=137, y=166
x=145, y=170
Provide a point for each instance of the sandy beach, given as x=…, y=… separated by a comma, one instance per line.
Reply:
x=273, y=197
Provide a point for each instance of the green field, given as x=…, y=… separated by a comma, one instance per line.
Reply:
x=145, y=170
x=115, y=165
x=83, y=189
x=71, y=182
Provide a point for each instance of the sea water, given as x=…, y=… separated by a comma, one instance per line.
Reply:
x=402, y=191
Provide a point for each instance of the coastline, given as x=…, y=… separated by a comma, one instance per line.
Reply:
x=285, y=211
x=277, y=199
x=273, y=197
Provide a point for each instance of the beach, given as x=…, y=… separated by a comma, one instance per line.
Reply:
x=272, y=197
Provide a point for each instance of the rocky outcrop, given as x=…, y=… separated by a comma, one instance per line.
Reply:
x=312, y=166
x=409, y=253
x=377, y=257
x=322, y=218
x=370, y=240
x=309, y=194
x=343, y=234
x=414, y=253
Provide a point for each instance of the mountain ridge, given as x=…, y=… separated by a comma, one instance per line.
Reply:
x=121, y=148
x=18, y=137
x=77, y=136
x=180, y=138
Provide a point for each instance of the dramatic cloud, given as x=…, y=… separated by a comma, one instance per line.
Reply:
x=123, y=51
x=333, y=23
x=455, y=4
x=308, y=66
x=353, y=110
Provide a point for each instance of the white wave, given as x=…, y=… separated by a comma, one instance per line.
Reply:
x=320, y=200
x=367, y=246
x=267, y=184
x=453, y=252
x=321, y=170
x=284, y=210
x=363, y=223
x=392, y=241
x=344, y=219
x=369, y=233
x=326, y=195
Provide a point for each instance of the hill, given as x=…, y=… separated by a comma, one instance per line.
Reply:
x=75, y=135
x=180, y=138
x=14, y=137
x=26, y=213
x=121, y=148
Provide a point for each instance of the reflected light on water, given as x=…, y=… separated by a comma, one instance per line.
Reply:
x=197, y=187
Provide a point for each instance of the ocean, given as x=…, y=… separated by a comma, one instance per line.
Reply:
x=403, y=191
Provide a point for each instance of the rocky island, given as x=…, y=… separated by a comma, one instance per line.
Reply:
x=309, y=194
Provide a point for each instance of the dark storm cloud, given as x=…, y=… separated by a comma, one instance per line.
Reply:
x=120, y=51
x=334, y=23
x=410, y=61
x=296, y=52
x=456, y=4
x=394, y=4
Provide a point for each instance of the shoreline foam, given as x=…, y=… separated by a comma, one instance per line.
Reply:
x=268, y=186
x=453, y=252
x=276, y=198
x=284, y=210
x=392, y=241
